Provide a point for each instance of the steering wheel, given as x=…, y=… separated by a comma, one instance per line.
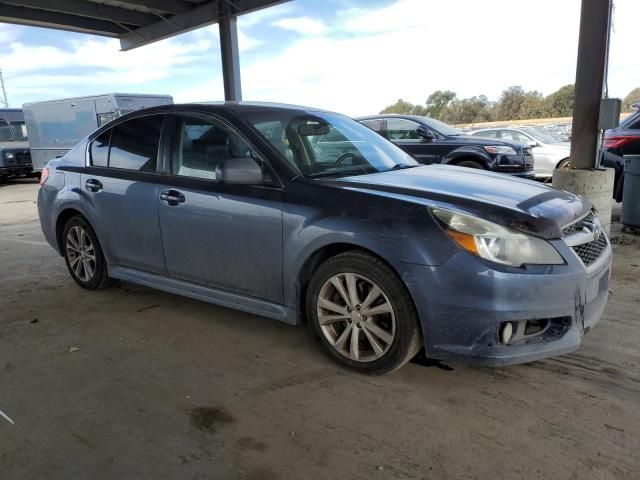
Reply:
x=343, y=157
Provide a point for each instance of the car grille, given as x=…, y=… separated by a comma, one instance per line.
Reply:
x=590, y=252
x=23, y=158
x=586, y=238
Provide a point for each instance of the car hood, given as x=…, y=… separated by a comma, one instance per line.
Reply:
x=478, y=140
x=524, y=205
x=14, y=145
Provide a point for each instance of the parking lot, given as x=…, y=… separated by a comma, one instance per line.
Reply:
x=130, y=382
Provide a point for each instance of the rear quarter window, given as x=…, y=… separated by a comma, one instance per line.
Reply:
x=100, y=150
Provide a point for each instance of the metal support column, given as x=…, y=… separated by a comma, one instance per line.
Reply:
x=230, y=57
x=595, y=22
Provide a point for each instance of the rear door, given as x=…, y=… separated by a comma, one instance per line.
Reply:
x=121, y=189
x=226, y=236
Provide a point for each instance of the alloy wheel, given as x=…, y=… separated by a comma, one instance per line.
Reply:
x=81, y=253
x=356, y=317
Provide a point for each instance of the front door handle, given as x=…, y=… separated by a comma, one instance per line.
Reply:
x=93, y=185
x=171, y=197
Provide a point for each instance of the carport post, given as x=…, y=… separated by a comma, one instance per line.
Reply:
x=582, y=177
x=230, y=57
x=595, y=21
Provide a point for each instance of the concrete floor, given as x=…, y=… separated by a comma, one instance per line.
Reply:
x=164, y=387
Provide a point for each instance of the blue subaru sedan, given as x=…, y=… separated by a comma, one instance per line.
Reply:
x=245, y=206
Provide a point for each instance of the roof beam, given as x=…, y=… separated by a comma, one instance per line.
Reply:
x=198, y=17
x=164, y=6
x=61, y=21
x=89, y=9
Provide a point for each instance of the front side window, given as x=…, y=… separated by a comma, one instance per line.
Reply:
x=401, y=129
x=321, y=144
x=375, y=125
x=513, y=136
x=201, y=145
x=134, y=144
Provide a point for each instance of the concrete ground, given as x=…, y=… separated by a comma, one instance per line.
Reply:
x=131, y=383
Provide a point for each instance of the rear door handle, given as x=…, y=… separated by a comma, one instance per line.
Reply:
x=171, y=197
x=93, y=185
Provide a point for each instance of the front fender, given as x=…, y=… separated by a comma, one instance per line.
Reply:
x=396, y=230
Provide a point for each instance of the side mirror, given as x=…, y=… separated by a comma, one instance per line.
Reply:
x=425, y=134
x=240, y=170
x=532, y=143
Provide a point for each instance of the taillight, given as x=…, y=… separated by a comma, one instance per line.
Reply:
x=44, y=175
x=618, y=141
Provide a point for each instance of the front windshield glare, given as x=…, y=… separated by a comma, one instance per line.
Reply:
x=328, y=145
x=540, y=135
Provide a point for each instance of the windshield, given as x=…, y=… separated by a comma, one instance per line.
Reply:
x=322, y=144
x=540, y=136
x=12, y=131
x=441, y=127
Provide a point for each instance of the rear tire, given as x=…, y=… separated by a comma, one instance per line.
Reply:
x=83, y=254
x=363, y=314
x=563, y=164
x=470, y=164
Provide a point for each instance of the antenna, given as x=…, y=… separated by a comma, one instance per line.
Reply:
x=4, y=91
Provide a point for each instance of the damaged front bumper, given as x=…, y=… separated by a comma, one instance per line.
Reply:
x=465, y=303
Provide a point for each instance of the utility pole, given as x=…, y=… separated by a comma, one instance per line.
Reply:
x=4, y=91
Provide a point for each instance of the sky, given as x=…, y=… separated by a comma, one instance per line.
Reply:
x=350, y=56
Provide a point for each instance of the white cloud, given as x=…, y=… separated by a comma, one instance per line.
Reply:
x=8, y=33
x=262, y=15
x=302, y=25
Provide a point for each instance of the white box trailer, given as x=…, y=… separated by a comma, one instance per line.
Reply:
x=56, y=126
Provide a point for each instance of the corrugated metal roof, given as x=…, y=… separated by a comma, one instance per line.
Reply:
x=134, y=22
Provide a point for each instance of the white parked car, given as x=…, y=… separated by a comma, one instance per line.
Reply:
x=548, y=152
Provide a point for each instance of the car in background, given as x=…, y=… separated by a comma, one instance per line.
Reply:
x=625, y=139
x=432, y=141
x=548, y=152
x=380, y=256
x=15, y=158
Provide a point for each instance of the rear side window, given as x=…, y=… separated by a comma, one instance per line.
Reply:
x=134, y=144
x=100, y=150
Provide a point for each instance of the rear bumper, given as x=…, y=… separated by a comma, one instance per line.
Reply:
x=525, y=174
x=464, y=302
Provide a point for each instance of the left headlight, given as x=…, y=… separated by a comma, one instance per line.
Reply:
x=9, y=155
x=494, y=242
x=502, y=150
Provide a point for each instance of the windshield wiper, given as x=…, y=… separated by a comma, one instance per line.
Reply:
x=401, y=166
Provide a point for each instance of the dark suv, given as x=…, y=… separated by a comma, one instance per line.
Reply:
x=432, y=141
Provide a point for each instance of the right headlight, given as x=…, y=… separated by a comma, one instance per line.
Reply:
x=503, y=150
x=494, y=242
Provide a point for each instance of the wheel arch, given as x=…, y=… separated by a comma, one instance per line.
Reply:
x=468, y=154
x=317, y=257
x=61, y=221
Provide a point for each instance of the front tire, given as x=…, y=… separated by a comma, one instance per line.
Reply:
x=83, y=255
x=470, y=164
x=362, y=313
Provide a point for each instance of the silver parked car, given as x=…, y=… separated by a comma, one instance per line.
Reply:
x=548, y=152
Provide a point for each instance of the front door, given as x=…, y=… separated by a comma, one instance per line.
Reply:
x=403, y=133
x=227, y=236
x=121, y=191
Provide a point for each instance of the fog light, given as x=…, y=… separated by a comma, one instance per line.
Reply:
x=506, y=332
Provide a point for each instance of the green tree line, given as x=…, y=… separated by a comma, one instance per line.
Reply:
x=514, y=104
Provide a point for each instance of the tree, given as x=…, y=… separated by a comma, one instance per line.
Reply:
x=438, y=103
x=533, y=106
x=560, y=103
x=468, y=110
x=404, y=108
x=509, y=103
x=630, y=99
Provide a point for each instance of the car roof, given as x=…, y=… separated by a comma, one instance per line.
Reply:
x=236, y=107
x=417, y=118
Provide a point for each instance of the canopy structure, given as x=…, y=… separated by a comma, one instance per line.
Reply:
x=140, y=22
